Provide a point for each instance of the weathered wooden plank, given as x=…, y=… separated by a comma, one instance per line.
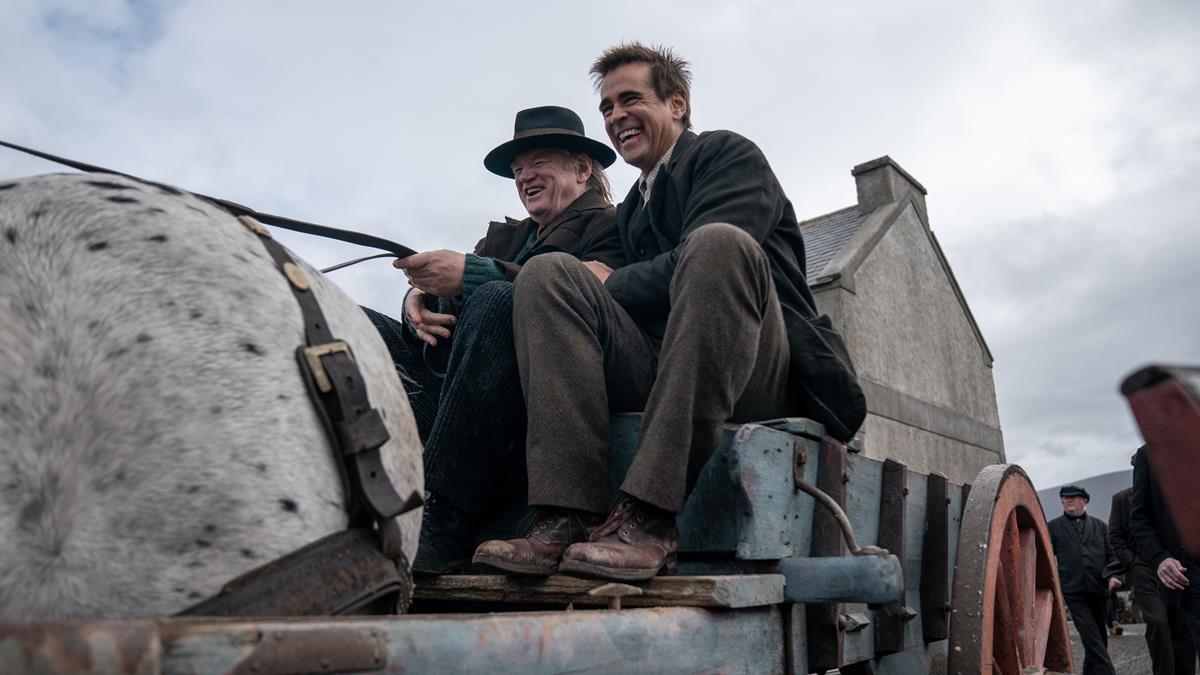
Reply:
x=824, y=638
x=935, y=583
x=650, y=640
x=864, y=487
x=795, y=636
x=891, y=617
x=914, y=537
x=697, y=591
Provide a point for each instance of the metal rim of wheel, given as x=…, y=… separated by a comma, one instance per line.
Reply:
x=1007, y=612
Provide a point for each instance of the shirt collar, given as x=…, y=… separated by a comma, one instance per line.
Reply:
x=646, y=182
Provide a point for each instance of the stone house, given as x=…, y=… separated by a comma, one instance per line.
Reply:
x=876, y=268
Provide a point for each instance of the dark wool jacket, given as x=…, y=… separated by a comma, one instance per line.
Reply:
x=586, y=230
x=1150, y=525
x=721, y=177
x=1082, y=560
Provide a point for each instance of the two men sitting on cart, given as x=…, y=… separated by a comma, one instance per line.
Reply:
x=709, y=320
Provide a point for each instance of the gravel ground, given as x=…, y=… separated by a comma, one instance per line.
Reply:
x=1128, y=651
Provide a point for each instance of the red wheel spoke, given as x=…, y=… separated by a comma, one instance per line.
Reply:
x=1004, y=633
x=1043, y=613
x=1012, y=571
x=1028, y=563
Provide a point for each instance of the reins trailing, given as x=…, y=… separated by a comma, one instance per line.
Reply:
x=392, y=248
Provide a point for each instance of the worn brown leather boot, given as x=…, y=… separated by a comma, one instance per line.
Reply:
x=634, y=543
x=538, y=552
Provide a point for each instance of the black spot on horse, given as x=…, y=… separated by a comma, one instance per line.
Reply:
x=11, y=235
x=116, y=353
x=144, y=337
x=37, y=214
x=195, y=595
x=31, y=513
x=160, y=238
x=195, y=314
x=197, y=210
x=8, y=186
x=216, y=410
x=283, y=397
x=252, y=348
x=110, y=186
x=247, y=553
x=121, y=199
x=261, y=467
x=203, y=543
x=192, y=489
x=45, y=371
x=32, y=309
x=289, y=505
x=98, y=246
x=210, y=528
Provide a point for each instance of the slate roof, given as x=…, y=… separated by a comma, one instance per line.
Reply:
x=825, y=236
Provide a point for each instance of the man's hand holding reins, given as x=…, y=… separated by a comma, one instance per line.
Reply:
x=438, y=273
x=429, y=325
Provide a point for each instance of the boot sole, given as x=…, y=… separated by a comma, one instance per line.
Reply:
x=509, y=567
x=586, y=569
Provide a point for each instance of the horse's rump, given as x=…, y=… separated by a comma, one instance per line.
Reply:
x=156, y=438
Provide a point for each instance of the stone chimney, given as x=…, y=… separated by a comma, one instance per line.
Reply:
x=882, y=181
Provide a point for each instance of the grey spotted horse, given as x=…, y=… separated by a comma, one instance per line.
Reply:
x=157, y=438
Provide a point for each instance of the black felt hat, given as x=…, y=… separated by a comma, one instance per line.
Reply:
x=548, y=126
x=1073, y=491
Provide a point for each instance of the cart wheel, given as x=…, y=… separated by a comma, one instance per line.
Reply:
x=1007, y=609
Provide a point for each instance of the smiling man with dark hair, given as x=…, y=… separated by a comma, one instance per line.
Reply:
x=711, y=320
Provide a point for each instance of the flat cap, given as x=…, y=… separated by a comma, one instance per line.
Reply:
x=1073, y=491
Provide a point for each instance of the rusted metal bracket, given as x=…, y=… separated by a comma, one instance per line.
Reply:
x=839, y=515
x=327, y=649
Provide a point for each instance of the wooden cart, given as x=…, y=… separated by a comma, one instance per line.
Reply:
x=797, y=555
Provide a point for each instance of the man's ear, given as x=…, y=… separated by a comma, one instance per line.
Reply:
x=583, y=167
x=678, y=105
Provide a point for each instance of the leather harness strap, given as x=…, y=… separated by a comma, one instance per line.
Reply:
x=356, y=429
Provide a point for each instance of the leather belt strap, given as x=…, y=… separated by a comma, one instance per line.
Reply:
x=337, y=385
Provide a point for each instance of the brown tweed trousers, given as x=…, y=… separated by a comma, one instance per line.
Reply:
x=724, y=356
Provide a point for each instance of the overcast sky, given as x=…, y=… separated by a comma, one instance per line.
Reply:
x=1059, y=142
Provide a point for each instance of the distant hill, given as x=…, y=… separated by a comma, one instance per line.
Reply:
x=1100, y=489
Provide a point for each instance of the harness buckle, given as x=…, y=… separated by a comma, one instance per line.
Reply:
x=313, y=356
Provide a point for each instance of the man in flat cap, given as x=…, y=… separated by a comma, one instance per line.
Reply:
x=1082, y=550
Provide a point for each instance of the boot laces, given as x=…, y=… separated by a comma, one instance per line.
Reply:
x=616, y=518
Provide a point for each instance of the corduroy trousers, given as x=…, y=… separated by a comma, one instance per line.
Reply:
x=472, y=420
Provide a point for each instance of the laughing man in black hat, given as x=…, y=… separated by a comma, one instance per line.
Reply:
x=1082, y=550
x=472, y=419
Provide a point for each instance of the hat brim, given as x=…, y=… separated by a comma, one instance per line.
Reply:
x=499, y=161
